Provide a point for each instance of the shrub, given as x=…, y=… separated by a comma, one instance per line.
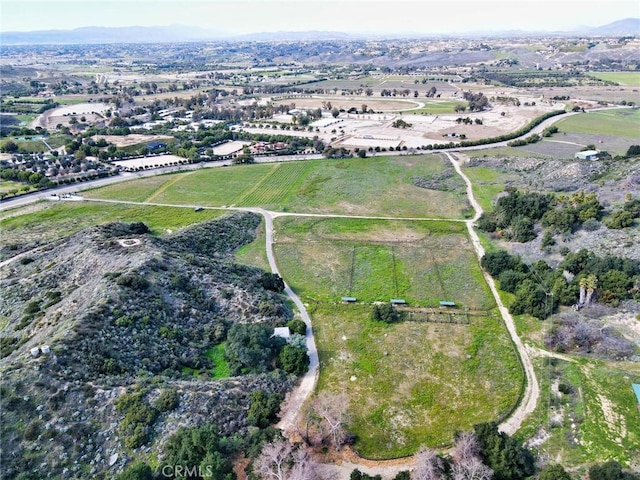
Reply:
x=133, y=281
x=297, y=326
x=136, y=471
x=168, y=400
x=620, y=219
x=385, y=313
x=565, y=388
x=591, y=225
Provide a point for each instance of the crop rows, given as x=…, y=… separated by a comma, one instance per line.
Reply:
x=275, y=187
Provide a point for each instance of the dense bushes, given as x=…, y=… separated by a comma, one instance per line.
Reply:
x=514, y=215
x=539, y=289
x=293, y=359
x=264, y=408
x=385, y=312
x=506, y=455
x=251, y=348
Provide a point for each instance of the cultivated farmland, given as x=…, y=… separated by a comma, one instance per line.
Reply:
x=370, y=186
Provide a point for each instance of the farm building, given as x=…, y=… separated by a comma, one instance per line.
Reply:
x=349, y=299
x=587, y=155
x=447, y=304
x=636, y=390
x=398, y=301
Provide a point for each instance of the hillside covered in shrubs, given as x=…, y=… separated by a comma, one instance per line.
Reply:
x=120, y=338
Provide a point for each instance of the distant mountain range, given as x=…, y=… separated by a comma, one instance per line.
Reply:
x=181, y=33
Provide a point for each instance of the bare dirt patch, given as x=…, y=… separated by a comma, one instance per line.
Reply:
x=132, y=139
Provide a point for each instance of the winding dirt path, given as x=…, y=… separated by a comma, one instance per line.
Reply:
x=532, y=390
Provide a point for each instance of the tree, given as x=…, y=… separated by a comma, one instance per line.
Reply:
x=136, y=471
x=294, y=359
x=429, y=466
x=297, y=326
x=620, y=219
x=610, y=470
x=264, y=408
x=329, y=413
x=335, y=112
x=465, y=447
x=250, y=348
x=385, y=313
x=282, y=461
x=473, y=469
x=554, y=472
x=9, y=147
x=272, y=282
x=505, y=455
x=633, y=150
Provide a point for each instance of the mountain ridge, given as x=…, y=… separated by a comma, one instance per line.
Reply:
x=184, y=34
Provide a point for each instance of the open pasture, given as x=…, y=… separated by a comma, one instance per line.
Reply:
x=382, y=186
x=620, y=123
x=413, y=383
x=623, y=78
x=50, y=221
x=376, y=260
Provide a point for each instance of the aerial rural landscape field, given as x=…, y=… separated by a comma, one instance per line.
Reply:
x=321, y=256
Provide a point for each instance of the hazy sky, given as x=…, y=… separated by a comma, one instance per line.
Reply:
x=357, y=16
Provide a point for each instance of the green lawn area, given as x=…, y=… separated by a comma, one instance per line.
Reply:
x=620, y=123
x=414, y=383
x=375, y=260
x=435, y=107
x=56, y=220
x=380, y=186
x=623, y=78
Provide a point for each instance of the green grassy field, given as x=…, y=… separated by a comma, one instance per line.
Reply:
x=254, y=253
x=372, y=186
x=487, y=184
x=621, y=123
x=375, y=260
x=595, y=422
x=623, y=78
x=411, y=383
x=437, y=108
x=50, y=221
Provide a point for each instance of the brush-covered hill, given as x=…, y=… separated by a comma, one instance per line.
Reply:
x=138, y=332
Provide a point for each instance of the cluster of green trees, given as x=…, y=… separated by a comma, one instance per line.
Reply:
x=252, y=348
x=515, y=214
x=572, y=211
x=626, y=216
x=477, y=101
x=539, y=289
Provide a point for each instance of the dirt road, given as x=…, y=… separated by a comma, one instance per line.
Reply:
x=532, y=390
